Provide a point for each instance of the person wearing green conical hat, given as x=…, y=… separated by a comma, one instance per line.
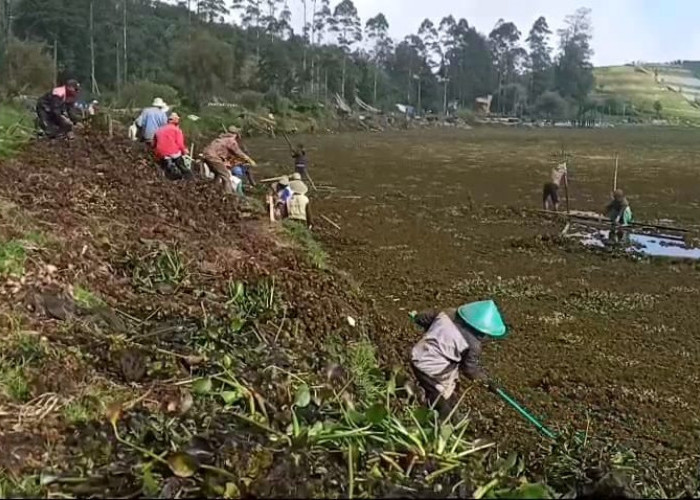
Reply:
x=452, y=343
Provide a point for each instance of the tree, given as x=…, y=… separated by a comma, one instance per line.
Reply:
x=203, y=65
x=345, y=23
x=431, y=43
x=212, y=10
x=29, y=67
x=541, y=70
x=508, y=56
x=552, y=106
x=574, y=71
x=321, y=19
x=377, y=29
x=658, y=107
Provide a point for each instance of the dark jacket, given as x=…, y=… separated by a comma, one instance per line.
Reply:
x=59, y=102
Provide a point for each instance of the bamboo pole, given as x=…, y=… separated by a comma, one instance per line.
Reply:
x=617, y=165
x=331, y=222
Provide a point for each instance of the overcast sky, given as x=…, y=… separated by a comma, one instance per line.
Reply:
x=624, y=30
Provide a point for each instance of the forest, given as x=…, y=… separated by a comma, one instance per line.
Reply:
x=247, y=51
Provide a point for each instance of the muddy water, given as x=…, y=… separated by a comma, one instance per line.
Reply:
x=432, y=219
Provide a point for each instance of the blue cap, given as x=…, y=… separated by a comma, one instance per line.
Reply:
x=238, y=171
x=484, y=317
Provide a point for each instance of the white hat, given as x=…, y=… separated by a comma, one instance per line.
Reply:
x=296, y=176
x=298, y=187
x=159, y=103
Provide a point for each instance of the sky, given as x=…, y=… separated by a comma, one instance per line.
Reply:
x=623, y=30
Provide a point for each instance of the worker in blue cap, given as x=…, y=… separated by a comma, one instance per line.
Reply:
x=452, y=342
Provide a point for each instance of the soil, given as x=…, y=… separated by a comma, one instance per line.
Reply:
x=598, y=342
x=160, y=259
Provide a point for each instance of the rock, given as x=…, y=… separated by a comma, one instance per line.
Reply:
x=55, y=305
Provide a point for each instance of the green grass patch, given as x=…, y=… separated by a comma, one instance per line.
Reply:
x=19, y=487
x=85, y=298
x=15, y=129
x=13, y=383
x=81, y=411
x=301, y=234
x=13, y=255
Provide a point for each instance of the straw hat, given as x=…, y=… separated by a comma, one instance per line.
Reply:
x=234, y=130
x=484, y=317
x=159, y=103
x=296, y=176
x=298, y=187
x=284, y=181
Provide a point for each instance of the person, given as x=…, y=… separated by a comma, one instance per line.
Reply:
x=550, y=193
x=219, y=153
x=301, y=162
x=170, y=149
x=618, y=210
x=620, y=215
x=298, y=205
x=151, y=119
x=247, y=173
x=279, y=194
x=452, y=342
x=56, y=110
x=237, y=175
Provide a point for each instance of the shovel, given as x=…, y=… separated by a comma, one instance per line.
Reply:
x=510, y=401
x=523, y=412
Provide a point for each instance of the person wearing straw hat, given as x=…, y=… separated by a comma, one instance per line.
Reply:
x=223, y=151
x=151, y=119
x=298, y=205
x=452, y=343
x=170, y=149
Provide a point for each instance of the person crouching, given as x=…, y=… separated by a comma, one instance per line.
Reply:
x=452, y=343
x=170, y=150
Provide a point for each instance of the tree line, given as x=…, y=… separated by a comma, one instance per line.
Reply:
x=194, y=47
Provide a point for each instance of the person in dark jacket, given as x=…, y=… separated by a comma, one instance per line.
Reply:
x=452, y=343
x=301, y=161
x=56, y=110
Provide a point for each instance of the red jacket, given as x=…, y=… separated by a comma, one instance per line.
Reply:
x=169, y=141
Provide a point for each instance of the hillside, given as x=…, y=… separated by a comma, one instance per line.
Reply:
x=676, y=86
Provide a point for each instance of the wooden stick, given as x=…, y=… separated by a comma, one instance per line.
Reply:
x=271, y=208
x=312, y=182
x=272, y=179
x=601, y=219
x=331, y=222
x=616, y=170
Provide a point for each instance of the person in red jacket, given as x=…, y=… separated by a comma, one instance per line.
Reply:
x=56, y=111
x=170, y=150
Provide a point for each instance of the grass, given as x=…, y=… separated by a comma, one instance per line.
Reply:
x=19, y=487
x=85, y=298
x=641, y=90
x=317, y=256
x=12, y=258
x=14, y=129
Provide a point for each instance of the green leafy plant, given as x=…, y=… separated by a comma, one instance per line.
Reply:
x=12, y=258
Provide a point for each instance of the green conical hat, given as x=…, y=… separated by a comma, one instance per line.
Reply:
x=483, y=317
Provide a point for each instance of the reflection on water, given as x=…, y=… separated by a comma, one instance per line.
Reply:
x=655, y=246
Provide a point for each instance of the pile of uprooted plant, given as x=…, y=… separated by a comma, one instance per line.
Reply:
x=161, y=339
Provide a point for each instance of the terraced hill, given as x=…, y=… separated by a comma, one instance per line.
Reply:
x=675, y=86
